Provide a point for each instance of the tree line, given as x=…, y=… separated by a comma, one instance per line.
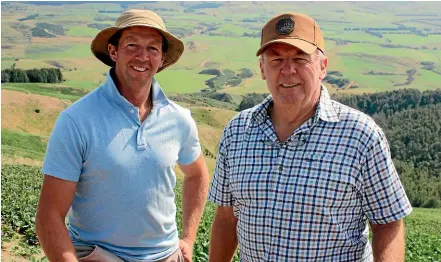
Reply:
x=42, y=75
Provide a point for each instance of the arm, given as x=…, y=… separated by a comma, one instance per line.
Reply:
x=388, y=241
x=223, y=241
x=55, y=200
x=194, y=195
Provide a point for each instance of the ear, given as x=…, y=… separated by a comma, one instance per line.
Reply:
x=323, y=66
x=262, y=71
x=112, y=52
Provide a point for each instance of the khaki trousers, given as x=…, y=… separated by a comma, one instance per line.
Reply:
x=97, y=254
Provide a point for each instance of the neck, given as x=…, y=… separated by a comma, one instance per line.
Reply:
x=287, y=118
x=138, y=95
x=291, y=114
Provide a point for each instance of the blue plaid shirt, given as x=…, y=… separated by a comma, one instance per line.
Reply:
x=308, y=198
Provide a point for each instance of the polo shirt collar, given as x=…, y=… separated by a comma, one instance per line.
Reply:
x=112, y=93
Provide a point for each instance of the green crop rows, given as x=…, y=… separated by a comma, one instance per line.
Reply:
x=21, y=187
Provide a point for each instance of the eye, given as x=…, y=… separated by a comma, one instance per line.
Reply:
x=276, y=61
x=301, y=60
x=153, y=49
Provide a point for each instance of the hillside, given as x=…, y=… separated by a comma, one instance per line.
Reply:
x=371, y=46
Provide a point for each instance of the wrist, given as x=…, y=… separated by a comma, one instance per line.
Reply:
x=190, y=241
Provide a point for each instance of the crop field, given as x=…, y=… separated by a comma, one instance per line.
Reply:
x=20, y=191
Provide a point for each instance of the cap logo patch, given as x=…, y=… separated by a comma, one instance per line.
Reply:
x=285, y=26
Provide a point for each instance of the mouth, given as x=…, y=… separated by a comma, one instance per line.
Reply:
x=139, y=69
x=289, y=85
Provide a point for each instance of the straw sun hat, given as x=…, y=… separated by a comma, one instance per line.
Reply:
x=131, y=18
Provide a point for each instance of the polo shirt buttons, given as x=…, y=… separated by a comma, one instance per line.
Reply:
x=132, y=111
x=280, y=168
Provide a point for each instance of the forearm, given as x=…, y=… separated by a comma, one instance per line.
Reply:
x=388, y=242
x=223, y=240
x=54, y=239
x=194, y=195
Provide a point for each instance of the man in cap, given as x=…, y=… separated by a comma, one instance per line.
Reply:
x=111, y=156
x=299, y=176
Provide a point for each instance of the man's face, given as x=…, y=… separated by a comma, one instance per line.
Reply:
x=138, y=56
x=291, y=75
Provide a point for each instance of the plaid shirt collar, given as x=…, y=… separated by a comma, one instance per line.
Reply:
x=325, y=110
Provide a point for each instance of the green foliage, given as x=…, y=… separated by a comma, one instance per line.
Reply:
x=42, y=75
x=41, y=32
x=340, y=82
x=224, y=97
x=210, y=71
x=227, y=77
x=14, y=75
x=423, y=235
x=20, y=192
x=251, y=100
x=21, y=189
x=411, y=121
x=245, y=73
x=29, y=17
x=390, y=102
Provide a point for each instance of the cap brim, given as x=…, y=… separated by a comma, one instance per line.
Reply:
x=100, y=44
x=299, y=43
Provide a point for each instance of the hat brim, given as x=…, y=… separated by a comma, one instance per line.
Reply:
x=301, y=44
x=99, y=46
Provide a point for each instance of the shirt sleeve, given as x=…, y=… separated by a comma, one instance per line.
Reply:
x=384, y=198
x=191, y=148
x=64, y=153
x=220, y=192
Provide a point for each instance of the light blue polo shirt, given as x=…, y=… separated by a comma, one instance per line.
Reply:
x=124, y=200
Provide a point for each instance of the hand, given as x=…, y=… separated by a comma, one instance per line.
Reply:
x=186, y=249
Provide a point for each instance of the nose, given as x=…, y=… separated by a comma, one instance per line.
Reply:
x=288, y=67
x=143, y=54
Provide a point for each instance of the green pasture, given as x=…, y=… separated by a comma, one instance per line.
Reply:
x=426, y=80
x=20, y=144
x=411, y=54
x=52, y=90
x=415, y=40
x=81, y=30
x=231, y=53
x=356, y=35
x=181, y=81
x=59, y=51
x=252, y=85
x=231, y=30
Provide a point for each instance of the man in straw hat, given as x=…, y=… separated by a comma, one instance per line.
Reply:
x=299, y=175
x=111, y=155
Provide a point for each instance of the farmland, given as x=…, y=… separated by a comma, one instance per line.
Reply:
x=374, y=46
x=21, y=186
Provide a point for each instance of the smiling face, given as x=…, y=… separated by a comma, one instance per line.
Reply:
x=137, y=57
x=292, y=76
